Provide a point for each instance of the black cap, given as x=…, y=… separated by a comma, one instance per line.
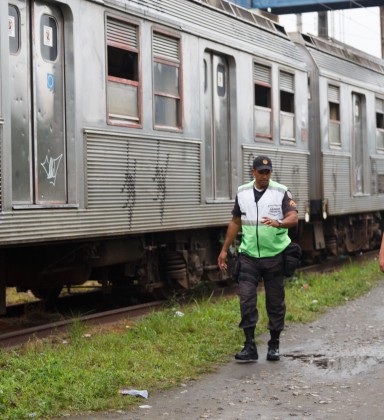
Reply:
x=262, y=162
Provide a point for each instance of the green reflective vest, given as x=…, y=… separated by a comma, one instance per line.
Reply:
x=258, y=240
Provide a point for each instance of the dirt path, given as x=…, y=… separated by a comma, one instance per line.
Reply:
x=330, y=369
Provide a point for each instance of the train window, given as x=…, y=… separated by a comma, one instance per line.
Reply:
x=380, y=124
x=48, y=38
x=334, y=115
x=122, y=64
x=287, y=101
x=263, y=101
x=166, y=81
x=263, y=96
x=287, y=106
x=221, y=80
x=123, y=84
x=13, y=29
x=205, y=76
x=358, y=144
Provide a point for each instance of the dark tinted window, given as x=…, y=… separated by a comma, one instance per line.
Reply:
x=334, y=111
x=379, y=120
x=263, y=96
x=287, y=101
x=122, y=63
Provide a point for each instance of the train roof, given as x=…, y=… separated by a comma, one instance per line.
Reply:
x=336, y=56
x=221, y=20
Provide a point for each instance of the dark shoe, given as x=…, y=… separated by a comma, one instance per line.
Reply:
x=248, y=354
x=273, y=351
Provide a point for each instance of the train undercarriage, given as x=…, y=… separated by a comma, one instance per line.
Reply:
x=340, y=236
x=161, y=263
x=155, y=263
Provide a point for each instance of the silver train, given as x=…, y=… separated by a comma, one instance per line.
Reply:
x=127, y=126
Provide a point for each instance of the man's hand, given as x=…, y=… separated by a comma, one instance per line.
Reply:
x=232, y=230
x=381, y=262
x=221, y=261
x=267, y=221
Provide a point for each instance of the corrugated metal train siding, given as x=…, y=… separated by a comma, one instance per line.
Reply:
x=377, y=181
x=224, y=25
x=144, y=178
x=152, y=184
x=155, y=184
x=338, y=188
x=290, y=168
x=135, y=185
x=378, y=165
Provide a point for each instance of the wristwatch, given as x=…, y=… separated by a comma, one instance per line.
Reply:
x=280, y=223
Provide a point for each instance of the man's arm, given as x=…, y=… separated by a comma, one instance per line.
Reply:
x=291, y=219
x=233, y=229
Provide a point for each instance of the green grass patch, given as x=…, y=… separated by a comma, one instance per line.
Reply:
x=85, y=369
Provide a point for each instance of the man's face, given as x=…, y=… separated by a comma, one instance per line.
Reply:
x=262, y=178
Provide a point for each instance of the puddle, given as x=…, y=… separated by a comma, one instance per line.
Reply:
x=348, y=365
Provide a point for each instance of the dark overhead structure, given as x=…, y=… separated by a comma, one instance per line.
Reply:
x=281, y=7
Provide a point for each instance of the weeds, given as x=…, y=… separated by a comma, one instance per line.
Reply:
x=85, y=369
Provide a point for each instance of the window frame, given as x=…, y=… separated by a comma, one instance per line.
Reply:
x=379, y=130
x=17, y=28
x=335, y=100
x=129, y=121
x=287, y=140
x=177, y=63
x=256, y=82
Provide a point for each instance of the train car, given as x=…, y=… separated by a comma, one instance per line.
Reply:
x=125, y=130
x=346, y=125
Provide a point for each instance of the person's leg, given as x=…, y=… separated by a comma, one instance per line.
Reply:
x=249, y=315
x=275, y=305
x=273, y=353
x=248, y=304
x=248, y=280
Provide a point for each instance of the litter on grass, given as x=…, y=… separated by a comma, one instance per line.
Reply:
x=134, y=392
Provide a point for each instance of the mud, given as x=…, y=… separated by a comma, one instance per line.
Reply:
x=330, y=369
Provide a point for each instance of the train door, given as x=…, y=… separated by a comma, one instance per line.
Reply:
x=38, y=103
x=217, y=127
x=358, y=169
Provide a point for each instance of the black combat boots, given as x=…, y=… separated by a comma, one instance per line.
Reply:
x=249, y=352
x=273, y=346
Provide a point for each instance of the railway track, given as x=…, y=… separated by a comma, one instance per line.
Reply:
x=15, y=334
x=18, y=336
x=334, y=264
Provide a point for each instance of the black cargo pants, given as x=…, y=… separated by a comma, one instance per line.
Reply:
x=252, y=270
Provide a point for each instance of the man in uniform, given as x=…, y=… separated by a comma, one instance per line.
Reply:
x=264, y=210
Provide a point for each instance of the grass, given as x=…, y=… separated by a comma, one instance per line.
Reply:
x=15, y=297
x=85, y=369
